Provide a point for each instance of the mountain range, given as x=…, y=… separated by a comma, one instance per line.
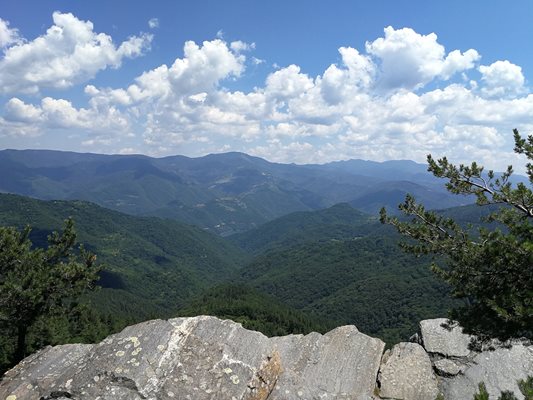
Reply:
x=223, y=193
x=279, y=247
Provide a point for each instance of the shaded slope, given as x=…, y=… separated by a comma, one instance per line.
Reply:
x=152, y=266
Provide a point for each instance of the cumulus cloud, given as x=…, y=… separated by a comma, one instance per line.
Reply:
x=8, y=36
x=502, y=78
x=338, y=83
x=200, y=70
x=374, y=104
x=61, y=114
x=240, y=46
x=410, y=60
x=257, y=61
x=287, y=82
x=69, y=52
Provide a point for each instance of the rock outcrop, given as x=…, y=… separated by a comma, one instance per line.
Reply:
x=406, y=373
x=461, y=369
x=441, y=338
x=207, y=358
x=202, y=358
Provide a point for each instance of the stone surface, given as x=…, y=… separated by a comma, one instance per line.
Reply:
x=447, y=367
x=41, y=370
x=406, y=373
x=202, y=358
x=499, y=370
x=343, y=363
x=438, y=339
x=207, y=358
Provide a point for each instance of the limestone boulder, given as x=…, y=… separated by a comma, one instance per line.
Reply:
x=448, y=368
x=406, y=373
x=499, y=369
x=438, y=337
x=202, y=358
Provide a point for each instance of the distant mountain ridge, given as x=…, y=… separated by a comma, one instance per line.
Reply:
x=224, y=193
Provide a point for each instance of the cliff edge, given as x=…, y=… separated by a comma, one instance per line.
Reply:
x=208, y=358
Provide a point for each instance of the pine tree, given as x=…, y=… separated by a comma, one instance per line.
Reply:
x=38, y=282
x=490, y=269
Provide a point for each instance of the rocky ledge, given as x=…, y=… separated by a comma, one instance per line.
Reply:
x=207, y=358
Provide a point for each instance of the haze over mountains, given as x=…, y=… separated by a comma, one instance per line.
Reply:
x=223, y=193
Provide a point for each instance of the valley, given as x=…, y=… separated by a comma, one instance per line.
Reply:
x=280, y=248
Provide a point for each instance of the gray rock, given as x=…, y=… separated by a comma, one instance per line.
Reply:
x=202, y=358
x=38, y=373
x=499, y=370
x=447, y=367
x=207, y=358
x=450, y=342
x=341, y=364
x=406, y=373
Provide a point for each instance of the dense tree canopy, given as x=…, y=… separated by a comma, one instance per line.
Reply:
x=491, y=268
x=37, y=281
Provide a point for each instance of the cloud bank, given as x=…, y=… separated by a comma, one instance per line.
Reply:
x=401, y=97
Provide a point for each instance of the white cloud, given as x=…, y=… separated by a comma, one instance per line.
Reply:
x=291, y=117
x=287, y=82
x=18, y=111
x=53, y=114
x=456, y=61
x=16, y=129
x=8, y=36
x=153, y=23
x=339, y=83
x=203, y=67
x=68, y=53
x=179, y=103
x=410, y=60
x=502, y=78
x=200, y=70
x=240, y=46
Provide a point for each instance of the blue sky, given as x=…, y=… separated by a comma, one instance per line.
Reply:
x=293, y=81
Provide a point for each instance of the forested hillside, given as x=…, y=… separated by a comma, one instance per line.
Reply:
x=151, y=266
x=349, y=268
x=255, y=310
x=304, y=271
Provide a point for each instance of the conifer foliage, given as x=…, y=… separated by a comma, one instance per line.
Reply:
x=35, y=281
x=490, y=268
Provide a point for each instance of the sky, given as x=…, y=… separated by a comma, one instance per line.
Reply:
x=289, y=81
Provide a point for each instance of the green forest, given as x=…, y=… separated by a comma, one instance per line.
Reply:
x=304, y=272
x=74, y=271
